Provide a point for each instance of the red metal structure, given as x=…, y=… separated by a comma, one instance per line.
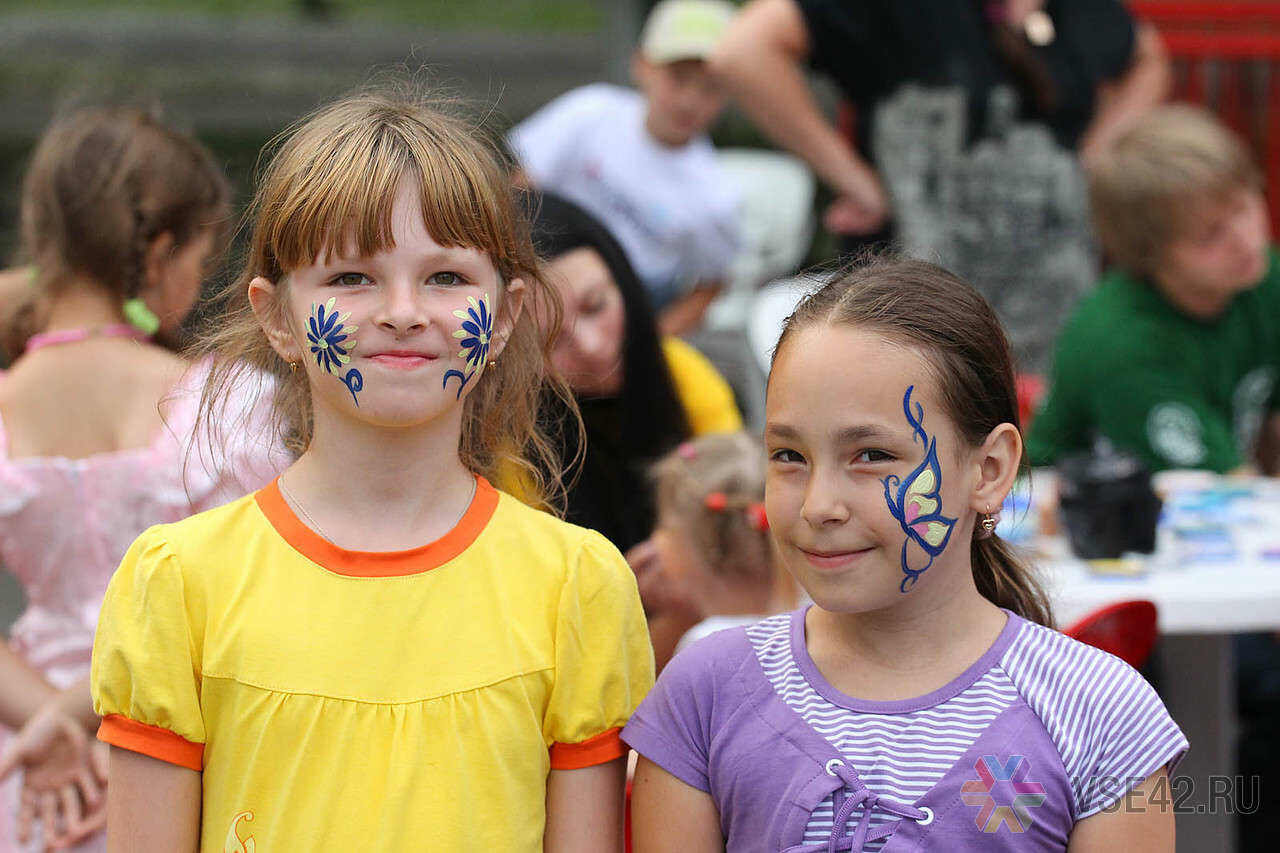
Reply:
x=1226, y=56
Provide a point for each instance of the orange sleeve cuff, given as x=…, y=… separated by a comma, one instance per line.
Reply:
x=151, y=740
x=600, y=749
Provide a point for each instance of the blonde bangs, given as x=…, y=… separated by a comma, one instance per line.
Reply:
x=331, y=188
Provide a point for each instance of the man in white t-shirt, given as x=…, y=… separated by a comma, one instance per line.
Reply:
x=642, y=163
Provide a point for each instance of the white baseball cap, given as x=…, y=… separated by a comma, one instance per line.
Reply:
x=684, y=29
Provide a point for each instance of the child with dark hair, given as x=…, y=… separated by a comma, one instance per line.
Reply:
x=885, y=715
x=121, y=217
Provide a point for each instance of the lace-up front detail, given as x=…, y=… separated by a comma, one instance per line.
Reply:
x=855, y=800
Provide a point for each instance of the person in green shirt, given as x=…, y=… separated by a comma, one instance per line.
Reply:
x=1174, y=356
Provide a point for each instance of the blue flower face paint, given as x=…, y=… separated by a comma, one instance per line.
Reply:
x=474, y=336
x=915, y=501
x=331, y=343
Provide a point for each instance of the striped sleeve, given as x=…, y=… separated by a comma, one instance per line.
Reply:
x=1111, y=729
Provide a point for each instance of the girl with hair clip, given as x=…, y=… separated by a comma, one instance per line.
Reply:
x=121, y=216
x=380, y=650
x=712, y=535
x=922, y=701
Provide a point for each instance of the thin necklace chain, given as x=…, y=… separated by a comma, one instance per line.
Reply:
x=300, y=508
x=326, y=537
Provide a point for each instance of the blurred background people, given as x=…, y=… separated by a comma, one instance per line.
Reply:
x=1174, y=356
x=641, y=162
x=712, y=535
x=640, y=394
x=969, y=118
x=121, y=216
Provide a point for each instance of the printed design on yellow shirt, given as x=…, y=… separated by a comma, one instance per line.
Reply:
x=236, y=844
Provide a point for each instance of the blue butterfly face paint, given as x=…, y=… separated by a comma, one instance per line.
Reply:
x=915, y=501
x=474, y=336
x=331, y=343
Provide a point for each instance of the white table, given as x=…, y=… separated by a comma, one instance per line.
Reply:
x=1201, y=603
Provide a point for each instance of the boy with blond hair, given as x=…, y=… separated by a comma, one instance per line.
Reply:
x=1174, y=356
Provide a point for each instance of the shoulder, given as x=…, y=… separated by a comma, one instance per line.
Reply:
x=594, y=97
x=1102, y=715
x=555, y=544
x=1118, y=317
x=209, y=539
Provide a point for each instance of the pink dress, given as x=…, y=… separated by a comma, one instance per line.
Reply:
x=66, y=523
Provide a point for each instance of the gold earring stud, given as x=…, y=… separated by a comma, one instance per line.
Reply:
x=293, y=367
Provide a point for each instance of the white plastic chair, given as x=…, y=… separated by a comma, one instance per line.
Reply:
x=768, y=309
x=776, y=193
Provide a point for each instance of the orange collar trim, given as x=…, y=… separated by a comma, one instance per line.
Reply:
x=378, y=564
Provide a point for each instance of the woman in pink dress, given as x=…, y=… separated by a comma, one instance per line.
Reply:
x=120, y=215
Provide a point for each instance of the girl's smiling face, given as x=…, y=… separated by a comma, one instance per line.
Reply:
x=834, y=437
x=396, y=338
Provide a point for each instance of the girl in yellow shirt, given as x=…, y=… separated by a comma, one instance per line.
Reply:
x=380, y=651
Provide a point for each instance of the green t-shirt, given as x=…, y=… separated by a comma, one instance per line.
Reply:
x=1177, y=391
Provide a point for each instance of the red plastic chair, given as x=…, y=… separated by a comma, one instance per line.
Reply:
x=1126, y=629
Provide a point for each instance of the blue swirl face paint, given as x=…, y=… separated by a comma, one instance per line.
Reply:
x=331, y=343
x=474, y=337
x=915, y=501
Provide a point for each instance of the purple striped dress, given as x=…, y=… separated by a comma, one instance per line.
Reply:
x=1040, y=732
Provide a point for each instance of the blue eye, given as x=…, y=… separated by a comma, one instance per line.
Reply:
x=350, y=279
x=447, y=279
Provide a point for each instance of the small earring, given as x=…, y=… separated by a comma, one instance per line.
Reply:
x=493, y=363
x=293, y=367
x=987, y=523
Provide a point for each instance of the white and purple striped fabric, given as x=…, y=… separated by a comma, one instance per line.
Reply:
x=1113, y=726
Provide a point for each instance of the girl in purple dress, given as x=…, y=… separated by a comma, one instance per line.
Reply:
x=923, y=701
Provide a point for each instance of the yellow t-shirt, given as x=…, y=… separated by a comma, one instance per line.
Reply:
x=340, y=700
x=707, y=399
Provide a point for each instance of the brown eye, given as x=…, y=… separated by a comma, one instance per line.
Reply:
x=447, y=279
x=351, y=279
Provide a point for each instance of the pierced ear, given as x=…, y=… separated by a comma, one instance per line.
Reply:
x=997, y=463
x=508, y=315
x=265, y=298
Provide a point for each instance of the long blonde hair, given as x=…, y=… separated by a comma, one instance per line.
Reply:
x=333, y=176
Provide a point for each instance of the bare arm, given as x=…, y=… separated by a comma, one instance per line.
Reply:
x=1142, y=822
x=152, y=806
x=23, y=690
x=1122, y=102
x=1268, y=454
x=761, y=59
x=584, y=809
x=667, y=814
x=685, y=314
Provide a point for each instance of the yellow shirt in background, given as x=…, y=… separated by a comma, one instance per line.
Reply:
x=706, y=396
x=340, y=701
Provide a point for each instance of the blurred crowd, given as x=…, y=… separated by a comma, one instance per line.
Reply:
x=1027, y=145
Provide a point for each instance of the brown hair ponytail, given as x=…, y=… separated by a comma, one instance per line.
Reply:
x=956, y=330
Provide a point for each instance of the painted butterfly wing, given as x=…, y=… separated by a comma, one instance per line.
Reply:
x=920, y=504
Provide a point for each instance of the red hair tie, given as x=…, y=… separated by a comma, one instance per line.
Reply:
x=756, y=515
x=716, y=501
